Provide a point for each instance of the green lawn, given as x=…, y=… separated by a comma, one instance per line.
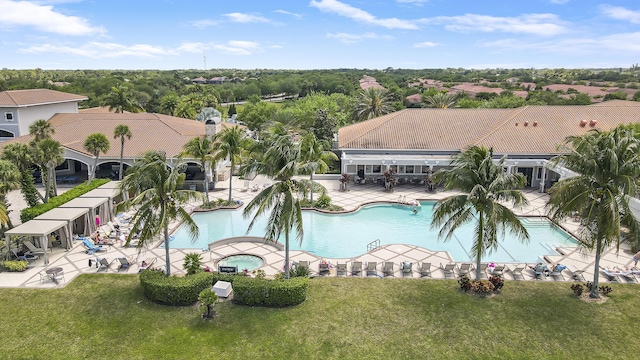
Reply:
x=106, y=316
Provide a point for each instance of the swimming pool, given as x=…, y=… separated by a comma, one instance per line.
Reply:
x=347, y=235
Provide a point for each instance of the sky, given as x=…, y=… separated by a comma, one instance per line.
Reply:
x=318, y=34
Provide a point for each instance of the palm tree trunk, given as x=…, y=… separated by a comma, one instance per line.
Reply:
x=596, y=273
x=311, y=188
x=93, y=173
x=166, y=250
x=206, y=186
x=121, y=158
x=46, y=182
x=230, y=180
x=286, y=256
x=54, y=181
x=479, y=247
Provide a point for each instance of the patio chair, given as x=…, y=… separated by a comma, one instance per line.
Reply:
x=483, y=270
x=372, y=268
x=146, y=264
x=557, y=272
x=464, y=268
x=613, y=274
x=539, y=271
x=406, y=268
x=26, y=257
x=498, y=270
x=577, y=275
x=323, y=268
x=449, y=270
x=356, y=268
x=91, y=248
x=341, y=269
x=425, y=269
x=387, y=269
x=517, y=272
x=125, y=263
x=33, y=250
x=303, y=263
x=104, y=263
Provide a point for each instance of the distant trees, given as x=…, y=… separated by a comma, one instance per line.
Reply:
x=372, y=102
x=441, y=100
x=121, y=99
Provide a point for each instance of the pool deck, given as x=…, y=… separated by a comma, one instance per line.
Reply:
x=75, y=262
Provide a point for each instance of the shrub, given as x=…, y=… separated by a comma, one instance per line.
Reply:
x=589, y=286
x=30, y=213
x=299, y=271
x=465, y=282
x=578, y=289
x=605, y=290
x=174, y=290
x=192, y=263
x=271, y=293
x=497, y=282
x=323, y=202
x=482, y=287
x=16, y=265
x=207, y=298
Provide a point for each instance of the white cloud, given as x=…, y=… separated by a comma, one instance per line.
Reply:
x=43, y=18
x=192, y=47
x=246, y=18
x=238, y=47
x=414, y=2
x=426, y=44
x=559, y=2
x=298, y=16
x=620, y=13
x=204, y=23
x=537, y=24
x=98, y=50
x=342, y=9
x=352, y=38
x=623, y=43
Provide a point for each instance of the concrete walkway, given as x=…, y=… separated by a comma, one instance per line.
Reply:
x=76, y=261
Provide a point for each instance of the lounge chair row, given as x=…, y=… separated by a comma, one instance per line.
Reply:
x=124, y=263
x=371, y=268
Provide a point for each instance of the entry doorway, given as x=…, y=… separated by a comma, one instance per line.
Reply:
x=528, y=173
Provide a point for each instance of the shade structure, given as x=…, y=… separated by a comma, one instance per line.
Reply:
x=112, y=194
x=36, y=228
x=65, y=214
x=95, y=205
x=110, y=185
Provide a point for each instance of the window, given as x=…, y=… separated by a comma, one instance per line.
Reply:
x=539, y=173
x=377, y=169
x=400, y=169
x=425, y=169
x=4, y=133
x=351, y=169
x=8, y=116
x=408, y=169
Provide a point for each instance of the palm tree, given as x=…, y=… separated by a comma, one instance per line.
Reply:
x=280, y=162
x=372, y=102
x=608, y=166
x=169, y=104
x=316, y=156
x=49, y=154
x=201, y=149
x=22, y=156
x=121, y=99
x=41, y=129
x=441, y=100
x=232, y=143
x=96, y=143
x=122, y=131
x=485, y=186
x=9, y=180
x=159, y=199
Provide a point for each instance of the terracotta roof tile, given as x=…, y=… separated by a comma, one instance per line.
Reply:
x=17, y=98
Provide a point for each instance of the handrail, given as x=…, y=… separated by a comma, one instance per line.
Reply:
x=373, y=245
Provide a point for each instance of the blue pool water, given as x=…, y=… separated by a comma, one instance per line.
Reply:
x=347, y=235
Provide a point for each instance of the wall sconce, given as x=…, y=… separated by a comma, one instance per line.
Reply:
x=382, y=162
x=437, y=162
x=394, y=161
x=350, y=161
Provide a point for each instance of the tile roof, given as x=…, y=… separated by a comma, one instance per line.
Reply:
x=18, y=98
x=502, y=129
x=150, y=132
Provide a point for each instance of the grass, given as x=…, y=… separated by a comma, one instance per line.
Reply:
x=106, y=316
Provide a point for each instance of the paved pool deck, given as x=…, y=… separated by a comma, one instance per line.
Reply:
x=75, y=261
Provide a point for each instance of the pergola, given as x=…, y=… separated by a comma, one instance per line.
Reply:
x=36, y=228
x=101, y=205
x=69, y=215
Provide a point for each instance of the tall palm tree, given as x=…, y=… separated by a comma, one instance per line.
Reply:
x=485, y=186
x=122, y=131
x=441, y=100
x=608, y=166
x=9, y=180
x=121, y=99
x=232, y=144
x=41, y=129
x=169, y=104
x=201, y=149
x=49, y=156
x=281, y=162
x=159, y=199
x=96, y=143
x=372, y=102
x=316, y=156
x=22, y=156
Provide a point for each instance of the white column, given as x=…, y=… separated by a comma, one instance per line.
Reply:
x=543, y=179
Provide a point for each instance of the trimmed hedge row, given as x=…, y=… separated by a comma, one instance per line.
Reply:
x=174, y=290
x=271, y=293
x=30, y=213
x=16, y=265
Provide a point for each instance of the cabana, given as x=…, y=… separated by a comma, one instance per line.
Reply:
x=112, y=194
x=100, y=206
x=70, y=215
x=36, y=228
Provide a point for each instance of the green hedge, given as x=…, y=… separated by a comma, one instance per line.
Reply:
x=261, y=292
x=30, y=213
x=16, y=265
x=174, y=290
